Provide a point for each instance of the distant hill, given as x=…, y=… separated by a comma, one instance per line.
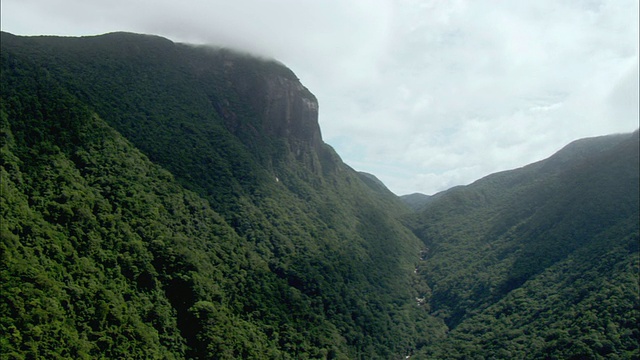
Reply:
x=416, y=201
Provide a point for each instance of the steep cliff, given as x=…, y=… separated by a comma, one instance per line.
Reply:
x=284, y=110
x=287, y=109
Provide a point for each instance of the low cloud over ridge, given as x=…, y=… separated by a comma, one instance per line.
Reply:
x=424, y=94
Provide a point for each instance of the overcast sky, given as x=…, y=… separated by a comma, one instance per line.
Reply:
x=424, y=94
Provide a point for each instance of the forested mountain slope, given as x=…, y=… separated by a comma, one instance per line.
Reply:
x=168, y=201
x=542, y=261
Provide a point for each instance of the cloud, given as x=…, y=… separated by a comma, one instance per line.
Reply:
x=471, y=89
x=425, y=94
x=623, y=98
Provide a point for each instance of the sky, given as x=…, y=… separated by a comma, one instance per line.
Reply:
x=424, y=94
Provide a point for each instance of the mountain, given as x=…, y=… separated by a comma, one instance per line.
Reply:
x=162, y=200
x=416, y=201
x=520, y=262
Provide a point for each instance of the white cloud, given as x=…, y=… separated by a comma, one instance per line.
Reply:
x=424, y=94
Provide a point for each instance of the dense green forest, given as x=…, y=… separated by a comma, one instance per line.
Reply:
x=170, y=217
x=168, y=201
x=542, y=261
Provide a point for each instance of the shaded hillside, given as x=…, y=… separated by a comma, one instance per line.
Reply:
x=179, y=202
x=519, y=262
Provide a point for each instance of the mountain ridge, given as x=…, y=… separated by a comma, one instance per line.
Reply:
x=570, y=151
x=494, y=238
x=297, y=227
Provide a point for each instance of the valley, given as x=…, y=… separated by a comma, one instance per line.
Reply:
x=168, y=201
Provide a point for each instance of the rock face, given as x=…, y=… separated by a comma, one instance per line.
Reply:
x=285, y=108
x=291, y=112
x=284, y=113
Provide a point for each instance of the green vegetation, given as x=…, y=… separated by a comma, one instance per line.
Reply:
x=166, y=201
x=584, y=307
x=520, y=262
x=253, y=245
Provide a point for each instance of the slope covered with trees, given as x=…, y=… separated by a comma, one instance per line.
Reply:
x=179, y=202
x=542, y=261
